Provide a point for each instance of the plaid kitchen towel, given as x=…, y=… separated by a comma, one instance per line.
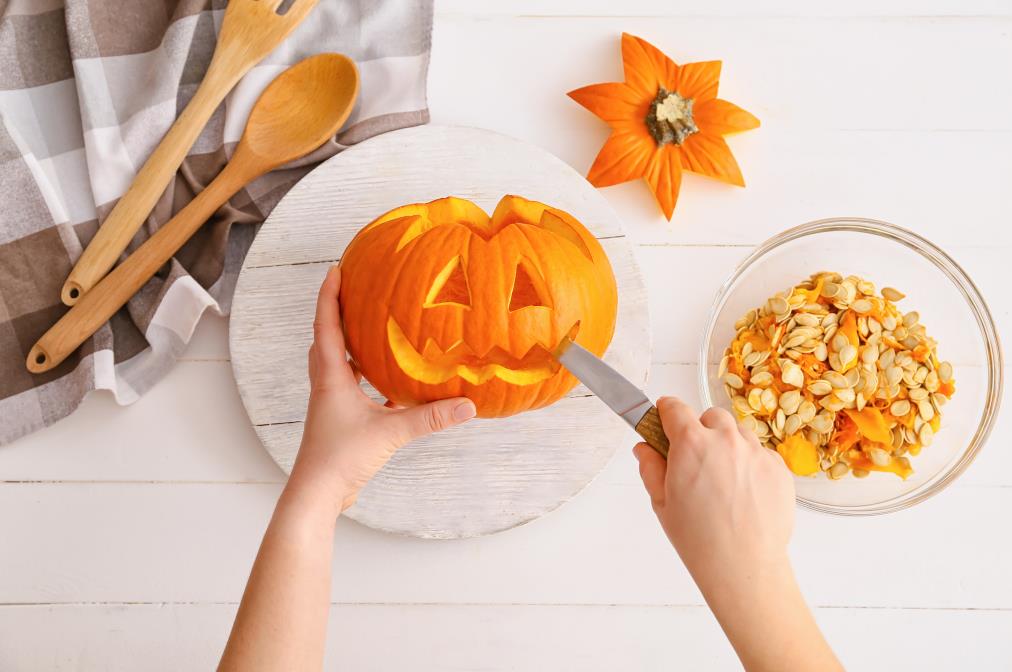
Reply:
x=87, y=89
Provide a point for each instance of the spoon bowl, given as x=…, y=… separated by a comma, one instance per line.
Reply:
x=300, y=110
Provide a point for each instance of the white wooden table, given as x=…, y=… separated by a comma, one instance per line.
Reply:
x=126, y=534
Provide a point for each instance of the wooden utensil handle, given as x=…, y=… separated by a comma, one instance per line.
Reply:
x=110, y=294
x=650, y=428
x=148, y=186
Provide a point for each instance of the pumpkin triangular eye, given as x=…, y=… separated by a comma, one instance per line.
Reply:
x=528, y=288
x=450, y=286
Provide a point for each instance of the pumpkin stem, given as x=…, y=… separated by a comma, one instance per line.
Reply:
x=670, y=118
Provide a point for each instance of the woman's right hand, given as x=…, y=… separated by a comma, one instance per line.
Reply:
x=724, y=501
x=727, y=505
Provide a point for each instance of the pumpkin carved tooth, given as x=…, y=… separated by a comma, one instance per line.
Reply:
x=433, y=366
x=438, y=299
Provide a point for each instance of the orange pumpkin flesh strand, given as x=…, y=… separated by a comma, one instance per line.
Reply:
x=439, y=300
x=665, y=118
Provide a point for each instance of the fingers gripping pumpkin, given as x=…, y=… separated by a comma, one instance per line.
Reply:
x=439, y=300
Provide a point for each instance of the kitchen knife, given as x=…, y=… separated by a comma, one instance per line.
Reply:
x=613, y=389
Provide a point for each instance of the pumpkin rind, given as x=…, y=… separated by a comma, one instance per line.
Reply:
x=429, y=313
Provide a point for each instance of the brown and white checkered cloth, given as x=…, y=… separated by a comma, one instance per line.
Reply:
x=87, y=89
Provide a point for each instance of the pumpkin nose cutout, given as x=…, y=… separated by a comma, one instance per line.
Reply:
x=450, y=286
x=528, y=288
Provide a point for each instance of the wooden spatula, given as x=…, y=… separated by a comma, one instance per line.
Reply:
x=250, y=30
x=301, y=109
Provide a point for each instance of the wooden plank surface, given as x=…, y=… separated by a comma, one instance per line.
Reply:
x=141, y=522
x=172, y=637
x=488, y=475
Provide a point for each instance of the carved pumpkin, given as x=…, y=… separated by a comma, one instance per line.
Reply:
x=439, y=300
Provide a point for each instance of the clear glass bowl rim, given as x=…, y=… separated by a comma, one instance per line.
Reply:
x=944, y=263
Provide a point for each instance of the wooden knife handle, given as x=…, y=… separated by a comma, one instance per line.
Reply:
x=650, y=428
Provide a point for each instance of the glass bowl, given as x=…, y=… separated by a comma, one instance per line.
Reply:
x=951, y=308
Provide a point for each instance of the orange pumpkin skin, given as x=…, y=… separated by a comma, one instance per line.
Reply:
x=439, y=300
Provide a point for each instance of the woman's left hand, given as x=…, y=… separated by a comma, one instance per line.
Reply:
x=348, y=437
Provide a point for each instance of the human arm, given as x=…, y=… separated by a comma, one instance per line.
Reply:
x=281, y=622
x=727, y=505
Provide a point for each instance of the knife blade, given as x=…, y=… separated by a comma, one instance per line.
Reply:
x=620, y=395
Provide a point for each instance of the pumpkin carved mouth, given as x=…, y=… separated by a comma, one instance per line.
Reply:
x=434, y=366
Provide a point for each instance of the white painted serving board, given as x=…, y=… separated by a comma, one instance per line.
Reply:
x=486, y=476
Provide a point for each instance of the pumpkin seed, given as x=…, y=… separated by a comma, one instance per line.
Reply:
x=861, y=306
x=833, y=403
x=926, y=435
x=838, y=470
x=840, y=341
x=769, y=399
x=722, y=368
x=886, y=359
x=900, y=408
x=860, y=473
x=740, y=405
x=793, y=375
x=762, y=379
x=822, y=423
x=911, y=318
x=808, y=320
x=830, y=289
x=894, y=375
x=917, y=394
x=892, y=294
x=762, y=430
x=860, y=402
x=734, y=380
x=820, y=388
x=752, y=359
x=836, y=379
x=846, y=395
x=806, y=411
x=790, y=401
x=925, y=410
x=888, y=322
x=755, y=400
x=938, y=400
x=945, y=372
x=792, y=425
x=848, y=354
x=879, y=457
x=779, y=305
x=821, y=352
x=898, y=438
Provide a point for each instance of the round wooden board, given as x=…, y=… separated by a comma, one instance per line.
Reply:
x=488, y=475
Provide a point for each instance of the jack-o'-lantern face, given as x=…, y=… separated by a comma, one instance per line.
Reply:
x=440, y=300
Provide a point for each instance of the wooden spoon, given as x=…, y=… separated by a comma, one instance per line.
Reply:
x=299, y=111
x=250, y=30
